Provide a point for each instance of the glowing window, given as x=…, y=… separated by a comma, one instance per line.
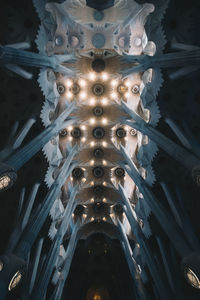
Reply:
x=97, y=297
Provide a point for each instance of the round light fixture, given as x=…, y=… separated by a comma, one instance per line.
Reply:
x=76, y=133
x=63, y=133
x=98, y=111
x=15, y=281
x=119, y=172
x=121, y=132
x=192, y=278
x=75, y=89
x=8, y=176
x=98, y=132
x=135, y=89
x=122, y=89
x=98, y=153
x=98, y=89
x=61, y=88
x=77, y=173
x=98, y=172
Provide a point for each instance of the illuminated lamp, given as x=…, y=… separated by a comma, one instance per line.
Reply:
x=120, y=132
x=8, y=177
x=190, y=266
x=12, y=272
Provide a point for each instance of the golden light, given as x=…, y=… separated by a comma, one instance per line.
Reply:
x=104, y=200
x=92, y=121
x=92, y=219
x=70, y=128
x=82, y=82
x=113, y=95
x=92, y=101
x=105, y=183
x=127, y=95
x=69, y=95
x=83, y=95
x=114, y=82
x=83, y=140
x=104, y=162
x=104, y=101
x=4, y=181
x=83, y=127
x=70, y=138
x=97, y=297
x=92, y=200
x=122, y=89
x=104, y=121
x=83, y=179
x=104, y=219
x=104, y=76
x=92, y=144
x=69, y=83
x=92, y=76
x=92, y=183
x=92, y=162
x=104, y=144
x=127, y=83
x=192, y=278
x=15, y=281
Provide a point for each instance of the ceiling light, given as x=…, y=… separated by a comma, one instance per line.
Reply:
x=82, y=82
x=69, y=95
x=92, y=121
x=104, y=101
x=104, y=76
x=92, y=101
x=192, y=278
x=83, y=95
x=114, y=82
x=92, y=76
x=104, y=121
x=69, y=83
